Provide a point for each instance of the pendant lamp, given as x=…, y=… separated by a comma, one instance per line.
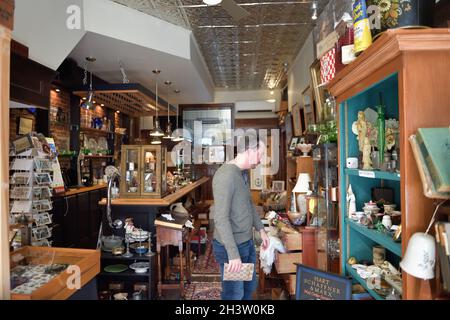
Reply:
x=157, y=132
x=89, y=102
x=178, y=137
x=168, y=135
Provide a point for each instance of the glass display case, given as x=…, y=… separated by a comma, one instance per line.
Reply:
x=326, y=213
x=143, y=172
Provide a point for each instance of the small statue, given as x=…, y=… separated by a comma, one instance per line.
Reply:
x=351, y=201
x=367, y=150
x=361, y=126
x=129, y=225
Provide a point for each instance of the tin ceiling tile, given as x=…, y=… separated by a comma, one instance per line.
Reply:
x=249, y=54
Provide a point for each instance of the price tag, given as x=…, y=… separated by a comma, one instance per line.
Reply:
x=367, y=174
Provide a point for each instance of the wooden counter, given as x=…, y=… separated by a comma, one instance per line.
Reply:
x=166, y=201
x=75, y=191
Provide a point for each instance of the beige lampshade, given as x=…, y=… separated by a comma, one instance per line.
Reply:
x=302, y=185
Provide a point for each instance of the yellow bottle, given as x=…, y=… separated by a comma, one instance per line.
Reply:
x=363, y=36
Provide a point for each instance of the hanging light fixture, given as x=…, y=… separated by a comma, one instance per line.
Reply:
x=178, y=137
x=157, y=133
x=168, y=134
x=89, y=102
x=314, y=9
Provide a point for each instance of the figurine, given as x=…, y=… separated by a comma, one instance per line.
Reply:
x=129, y=225
x=351, y=201
x=361, y=126
x=367, y=161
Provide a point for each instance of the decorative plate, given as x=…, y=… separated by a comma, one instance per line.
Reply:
x=116, y=268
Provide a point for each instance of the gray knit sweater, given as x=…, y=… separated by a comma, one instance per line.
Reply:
x=234, y=212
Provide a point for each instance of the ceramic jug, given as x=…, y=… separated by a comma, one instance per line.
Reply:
x=387, y=222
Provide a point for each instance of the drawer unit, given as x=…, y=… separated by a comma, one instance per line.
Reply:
x=285, y=262
x=292, y=241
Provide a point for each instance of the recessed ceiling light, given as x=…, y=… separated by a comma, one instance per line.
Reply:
x=271, y=100
x=272, y=93
x=212, y=2
x=102, y=105
x=118, y=112
x=84, y=98
x=58, y=90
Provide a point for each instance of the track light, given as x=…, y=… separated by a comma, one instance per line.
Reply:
x=314, y=8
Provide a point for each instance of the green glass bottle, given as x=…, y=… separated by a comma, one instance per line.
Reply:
x=381, y=125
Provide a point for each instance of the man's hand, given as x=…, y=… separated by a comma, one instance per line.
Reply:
x=265, y=239
x=234, y=265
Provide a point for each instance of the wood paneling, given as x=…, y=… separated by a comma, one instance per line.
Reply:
x=5, y=39
x=270, y=123
x=30, y=82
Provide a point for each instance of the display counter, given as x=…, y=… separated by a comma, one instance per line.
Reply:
x=44, y=273
x=166, y=201
x=76, y=191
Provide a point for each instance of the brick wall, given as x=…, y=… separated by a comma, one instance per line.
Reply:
x=60, y=123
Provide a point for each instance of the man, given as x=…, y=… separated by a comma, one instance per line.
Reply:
x=234, y=219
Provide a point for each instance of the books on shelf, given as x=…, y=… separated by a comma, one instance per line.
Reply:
x=178, y=223
x=432, y=163
x=434, y=143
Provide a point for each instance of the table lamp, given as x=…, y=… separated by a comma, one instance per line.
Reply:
x=302, y=188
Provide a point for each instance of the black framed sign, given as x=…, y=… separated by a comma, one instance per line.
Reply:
x=314, y=284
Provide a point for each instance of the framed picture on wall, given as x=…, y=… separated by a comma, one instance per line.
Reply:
x=308, y=107
x=293, y=144
x=318, y=96
x=257, y=178
x=278, y=186
x=296, y=120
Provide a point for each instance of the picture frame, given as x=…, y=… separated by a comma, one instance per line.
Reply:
x=318, y=90
x=25, y=126
x=296, y=120
x=293, y=143
x=308, y=107
x=23, y=143
x=257, y=178
x=278, y=186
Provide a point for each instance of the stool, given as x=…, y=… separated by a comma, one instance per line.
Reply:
x=166, y=237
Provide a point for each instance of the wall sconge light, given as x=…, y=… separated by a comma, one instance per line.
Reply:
x=314, y=8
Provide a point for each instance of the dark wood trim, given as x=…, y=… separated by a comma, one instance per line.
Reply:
x=266, y=123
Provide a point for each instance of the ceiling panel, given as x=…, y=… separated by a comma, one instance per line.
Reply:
x=249, y=54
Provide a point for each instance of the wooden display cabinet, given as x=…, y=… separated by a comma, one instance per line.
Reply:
x=143, y=172
x=410, y=68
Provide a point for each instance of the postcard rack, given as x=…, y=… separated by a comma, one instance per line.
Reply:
x=31, y=178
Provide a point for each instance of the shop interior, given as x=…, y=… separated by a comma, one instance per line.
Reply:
x=117, y=114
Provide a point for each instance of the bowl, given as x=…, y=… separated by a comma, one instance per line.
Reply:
x=140, y=267
x=140, y=249
x=111, y=242
x=296, y=218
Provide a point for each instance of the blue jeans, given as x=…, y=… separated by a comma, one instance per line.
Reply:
x=237, y=290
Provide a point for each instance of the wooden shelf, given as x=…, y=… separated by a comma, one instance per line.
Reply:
x=93, y=130
x=378, y=237
x=352, y=272
x=127, y=273
x=373, y=174
x=166, y=201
